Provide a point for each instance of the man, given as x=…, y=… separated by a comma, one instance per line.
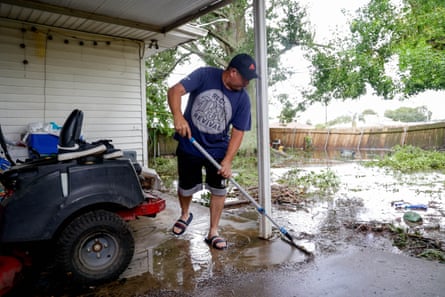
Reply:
x=216, y=115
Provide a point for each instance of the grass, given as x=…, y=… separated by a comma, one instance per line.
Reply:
x=409, y=159
x=403, y=159
x=323, y=182
x=245, y=169
x=166, y=167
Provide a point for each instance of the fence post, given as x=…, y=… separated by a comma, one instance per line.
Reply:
x=360, y=139
x=402, y=141
x=327, y=139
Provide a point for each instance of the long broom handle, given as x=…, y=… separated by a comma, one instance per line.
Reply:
x=259, y=208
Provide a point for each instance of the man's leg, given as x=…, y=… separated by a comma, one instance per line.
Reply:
x=216, y=208
x=189, y=182
x=184, y=203
x=217, y=186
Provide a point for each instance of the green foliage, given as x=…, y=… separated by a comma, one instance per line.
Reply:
x=340, y=120
x=224, y=38
x=288, y=112
x=433, y=254
x=204, y=198
x=158, y=68
x=287, y=27
x=360, y=60
x=407, y=159
x=369, y=112
x=159, y=119
x=408, y=114
x=308, y=143
x=245, y=167
x=245, y=170
x=416, y=244
x=420, y=45
x=412, y=35
x=166, y=168
x=321, y=183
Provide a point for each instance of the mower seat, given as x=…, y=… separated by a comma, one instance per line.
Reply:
x=71, y=130
x=70, y=145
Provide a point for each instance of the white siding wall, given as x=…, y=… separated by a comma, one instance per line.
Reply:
x=104, y=78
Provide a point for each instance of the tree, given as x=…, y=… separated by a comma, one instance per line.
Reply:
x=159, y=119
x=421, y=46
x=411, y=36
x=158, y=69
x=286, y=28
x=289, y=111
x=408, y=114
x=369, y=112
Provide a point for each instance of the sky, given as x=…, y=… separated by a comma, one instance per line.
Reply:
x=326, y=17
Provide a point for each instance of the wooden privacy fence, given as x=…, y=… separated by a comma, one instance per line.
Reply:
x=427, y=136
x=161, y=145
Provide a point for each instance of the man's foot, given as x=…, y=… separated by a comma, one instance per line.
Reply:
x=181, y=225
x=217, y=242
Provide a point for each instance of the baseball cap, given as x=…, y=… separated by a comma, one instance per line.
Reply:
x=245, y=65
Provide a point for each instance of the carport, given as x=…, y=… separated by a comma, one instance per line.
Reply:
x=61, y=54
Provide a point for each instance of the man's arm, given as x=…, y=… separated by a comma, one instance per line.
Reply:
x=174, y=95
x=235, y=142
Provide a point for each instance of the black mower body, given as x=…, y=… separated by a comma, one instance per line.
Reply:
x=47, y=193
x=78, y=200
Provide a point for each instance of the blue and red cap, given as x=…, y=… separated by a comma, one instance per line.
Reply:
x=245, y=65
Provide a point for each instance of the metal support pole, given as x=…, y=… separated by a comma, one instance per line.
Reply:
x=263, y=143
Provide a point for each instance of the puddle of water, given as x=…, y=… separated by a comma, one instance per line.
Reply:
x=368, y=194
x=365, y=195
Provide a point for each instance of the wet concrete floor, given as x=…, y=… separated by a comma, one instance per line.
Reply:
x=346, y=263
x=169, y=265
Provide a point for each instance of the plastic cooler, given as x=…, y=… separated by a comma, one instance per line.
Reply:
x=44, y=144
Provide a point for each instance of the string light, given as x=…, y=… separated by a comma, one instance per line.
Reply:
x=51, y=35
x=153, y=43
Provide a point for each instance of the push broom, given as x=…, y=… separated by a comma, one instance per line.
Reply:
x=259, y=208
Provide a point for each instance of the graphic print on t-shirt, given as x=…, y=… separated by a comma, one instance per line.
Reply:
x=211, y=112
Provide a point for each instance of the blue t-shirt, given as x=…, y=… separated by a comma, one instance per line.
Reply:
x=211, y=110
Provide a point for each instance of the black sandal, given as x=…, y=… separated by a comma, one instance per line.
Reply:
x=182, y=225
x=213, y=242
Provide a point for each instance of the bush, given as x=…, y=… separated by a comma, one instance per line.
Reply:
x=408, y=159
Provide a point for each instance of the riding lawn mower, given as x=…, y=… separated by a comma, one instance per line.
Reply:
x=79, y=200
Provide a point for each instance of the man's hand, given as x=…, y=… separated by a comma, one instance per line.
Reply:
x=182, y=126
x=234, y=144
x=226, y=169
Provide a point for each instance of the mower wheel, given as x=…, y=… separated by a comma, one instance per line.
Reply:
x=95, y=247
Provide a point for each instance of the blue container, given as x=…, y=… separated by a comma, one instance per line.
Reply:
x=44, y=144
x=4, y=164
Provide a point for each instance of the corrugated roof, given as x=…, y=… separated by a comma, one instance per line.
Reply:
x=164, y=21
